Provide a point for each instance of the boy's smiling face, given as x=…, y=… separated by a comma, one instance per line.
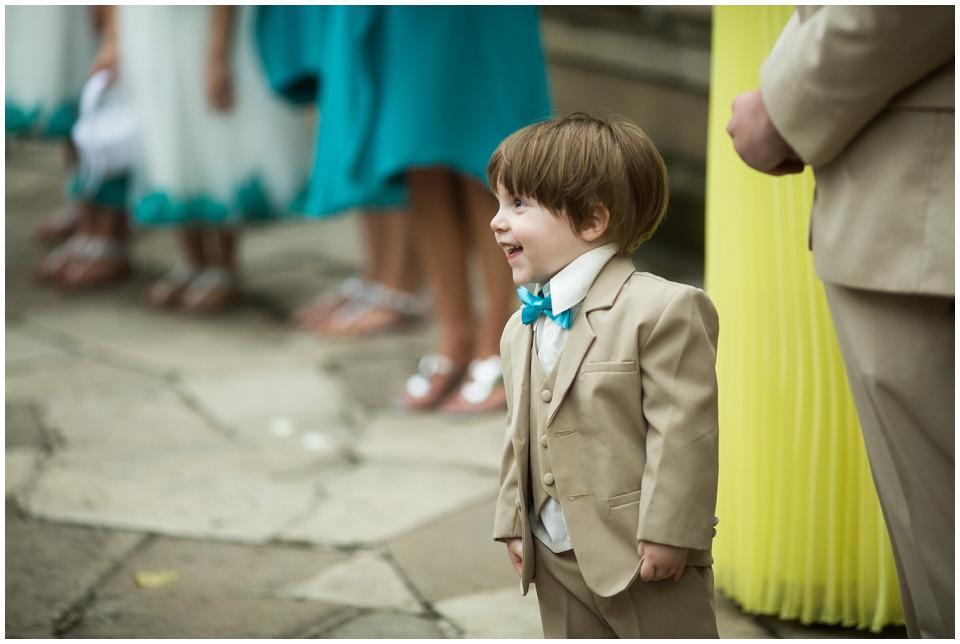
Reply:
x=538, y=243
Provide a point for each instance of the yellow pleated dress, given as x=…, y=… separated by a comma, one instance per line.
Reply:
x=801, y=535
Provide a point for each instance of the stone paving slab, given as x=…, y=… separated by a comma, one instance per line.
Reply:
x=237, y=493
x=499, y=614
x=162, y=616
x=185, y=344
x=455, y=555
x=151, y=421
x=363, y=580
x=50, y=568
x=733, y=624
x=435, y=438
x=217, y=569
x=375, y=502
x=21, y=350
x=20, y=467
x=383, y=625
x=79, y=380
x=253, y=401
x=377, y=380
x=22, y=428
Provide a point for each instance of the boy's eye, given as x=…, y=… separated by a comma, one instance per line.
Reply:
x=518, y=203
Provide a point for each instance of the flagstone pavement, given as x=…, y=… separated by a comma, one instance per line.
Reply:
x=172, y=476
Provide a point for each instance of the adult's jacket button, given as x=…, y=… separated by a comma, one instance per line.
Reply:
x=543, y=440
x=546, y=396
x=548, y=478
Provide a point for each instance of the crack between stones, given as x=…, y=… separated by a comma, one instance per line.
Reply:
x=73, y=616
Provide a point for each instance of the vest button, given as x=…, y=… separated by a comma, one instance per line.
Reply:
x=543, y=440
x=548, y=478
x=546, y=396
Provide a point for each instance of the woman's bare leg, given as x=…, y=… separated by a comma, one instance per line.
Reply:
x=499, y=289
x=483, y=390
x=441, y=236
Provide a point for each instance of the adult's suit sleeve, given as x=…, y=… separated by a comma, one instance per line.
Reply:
x=830, y=74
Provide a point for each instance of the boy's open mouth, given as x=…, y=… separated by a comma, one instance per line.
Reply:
x=512, y=251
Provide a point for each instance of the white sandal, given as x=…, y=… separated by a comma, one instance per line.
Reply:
x=212, y=290
x=168, y=290
x=56, y=261
x=422, y=391
x=80, y=273
x=482, y=390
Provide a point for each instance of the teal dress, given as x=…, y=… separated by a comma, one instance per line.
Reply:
x=404, y=87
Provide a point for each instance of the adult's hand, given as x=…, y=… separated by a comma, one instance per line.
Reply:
x=756, y=139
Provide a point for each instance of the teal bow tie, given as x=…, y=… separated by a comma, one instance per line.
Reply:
x=533, y=306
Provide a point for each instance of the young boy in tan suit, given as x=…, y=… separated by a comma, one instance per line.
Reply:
x=609, y=475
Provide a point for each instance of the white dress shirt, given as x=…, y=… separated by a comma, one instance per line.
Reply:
x=567, y=289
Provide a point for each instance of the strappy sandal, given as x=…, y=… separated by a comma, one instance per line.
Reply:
x=99, y=262
x=393, y=307
x=481, y=392
x=435, y=378
x=52, y=267
x=311, y=316
x=58, y=227
x=168, y=290
x=213, y=290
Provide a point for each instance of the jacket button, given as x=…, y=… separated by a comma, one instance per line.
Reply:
x=546, y=396
x=543, y=440
x=548, y=478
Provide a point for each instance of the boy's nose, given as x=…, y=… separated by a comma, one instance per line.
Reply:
x=497, y=222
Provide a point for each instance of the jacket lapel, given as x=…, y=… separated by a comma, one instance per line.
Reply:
x=602, y=294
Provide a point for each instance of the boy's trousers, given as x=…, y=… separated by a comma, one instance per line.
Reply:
x=666, y=608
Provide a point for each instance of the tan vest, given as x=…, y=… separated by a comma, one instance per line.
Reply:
x=541, y=470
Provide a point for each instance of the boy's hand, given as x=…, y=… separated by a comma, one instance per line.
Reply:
x=515, y=550
x=661, y=561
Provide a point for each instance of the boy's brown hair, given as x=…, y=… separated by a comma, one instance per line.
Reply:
x=575, y=164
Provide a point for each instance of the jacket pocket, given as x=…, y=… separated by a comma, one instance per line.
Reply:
x=610, y=367
x=624, y=499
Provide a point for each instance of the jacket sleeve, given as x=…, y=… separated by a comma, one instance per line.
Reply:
x=507, y=522
x=679, y=383
x=830, y=74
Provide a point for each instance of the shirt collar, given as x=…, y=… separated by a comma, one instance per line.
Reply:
x=570, y=285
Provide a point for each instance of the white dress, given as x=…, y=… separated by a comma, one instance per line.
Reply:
x=197, y=164
x=49, y=50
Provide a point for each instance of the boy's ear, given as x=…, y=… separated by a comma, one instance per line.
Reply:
x=597, y=225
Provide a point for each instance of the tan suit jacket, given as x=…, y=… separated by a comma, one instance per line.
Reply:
x=631, y=427
x=865, y=95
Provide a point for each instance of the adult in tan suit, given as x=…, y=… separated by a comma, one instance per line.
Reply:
x=609, y=474
x=865, y=95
